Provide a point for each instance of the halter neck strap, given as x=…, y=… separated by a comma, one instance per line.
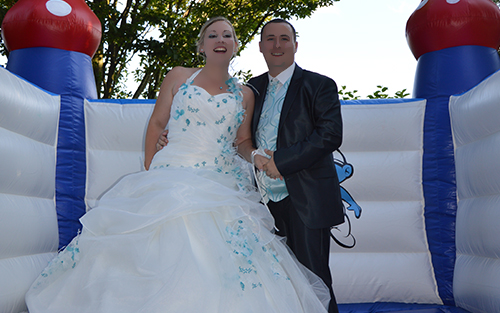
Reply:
x=192, y=77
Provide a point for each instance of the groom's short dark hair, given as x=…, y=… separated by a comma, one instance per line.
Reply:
x=279, y=20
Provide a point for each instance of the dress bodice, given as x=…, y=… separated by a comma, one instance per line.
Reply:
x=202, y=128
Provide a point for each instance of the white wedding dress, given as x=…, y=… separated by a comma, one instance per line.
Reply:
x=189, y=235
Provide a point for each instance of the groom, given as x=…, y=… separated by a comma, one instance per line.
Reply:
x=298, y=124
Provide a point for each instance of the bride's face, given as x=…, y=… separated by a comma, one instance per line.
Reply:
x=219, y=42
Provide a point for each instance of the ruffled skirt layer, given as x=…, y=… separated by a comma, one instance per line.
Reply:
x=177, y=240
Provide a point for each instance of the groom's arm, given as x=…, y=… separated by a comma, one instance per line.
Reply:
x=326, y=136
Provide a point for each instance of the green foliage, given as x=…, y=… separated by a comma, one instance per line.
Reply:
x=243, y=76
x=380, y=93
x=162, y=34
x=344, y=94
x=401, y=94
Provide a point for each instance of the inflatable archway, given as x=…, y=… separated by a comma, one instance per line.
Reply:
x=419, y=176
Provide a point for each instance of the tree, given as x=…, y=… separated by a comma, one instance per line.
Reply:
x=345, y=94
x=162, y=34
x=380, y=93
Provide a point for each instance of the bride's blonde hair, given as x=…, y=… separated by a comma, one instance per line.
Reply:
x=203, y=31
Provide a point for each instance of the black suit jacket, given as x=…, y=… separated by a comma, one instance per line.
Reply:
x=310, y=129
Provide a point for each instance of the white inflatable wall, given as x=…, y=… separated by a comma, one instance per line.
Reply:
x=475, y=118
x=390, y=262
x=383, y=140
x=115, y=133
x=28, y=222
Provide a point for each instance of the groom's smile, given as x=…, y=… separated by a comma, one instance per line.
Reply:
x=278, y=47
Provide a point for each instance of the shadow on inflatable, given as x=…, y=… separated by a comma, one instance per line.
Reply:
x=419, y=176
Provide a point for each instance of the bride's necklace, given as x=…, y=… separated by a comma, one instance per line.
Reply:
x=225, y=84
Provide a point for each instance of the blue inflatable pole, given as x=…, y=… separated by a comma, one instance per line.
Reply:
x=51, y=44
x=455, y=43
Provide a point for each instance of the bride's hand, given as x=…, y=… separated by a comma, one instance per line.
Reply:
x=162, y=140
x=260, y=161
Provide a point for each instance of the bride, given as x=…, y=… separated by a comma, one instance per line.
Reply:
x=188, y=234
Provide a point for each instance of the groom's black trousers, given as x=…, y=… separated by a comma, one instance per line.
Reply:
x=310, y=246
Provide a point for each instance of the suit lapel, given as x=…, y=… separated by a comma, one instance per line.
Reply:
x=291, y=94
x=261, y=86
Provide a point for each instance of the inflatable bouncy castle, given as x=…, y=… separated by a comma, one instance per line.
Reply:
x=419, y=177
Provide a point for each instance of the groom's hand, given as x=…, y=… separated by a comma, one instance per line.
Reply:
x=162, y=141
x=270, y=167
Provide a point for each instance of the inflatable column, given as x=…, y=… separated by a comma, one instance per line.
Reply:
x=51, y=44
x=455, y=43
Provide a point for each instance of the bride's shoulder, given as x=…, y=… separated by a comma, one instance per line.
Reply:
x=180, y=72
x=246, y=90
x=248, y=96
x=178, y=76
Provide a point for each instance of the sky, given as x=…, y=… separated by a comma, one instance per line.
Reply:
x=358, y=43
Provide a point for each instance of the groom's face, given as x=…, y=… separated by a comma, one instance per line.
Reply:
x=278, y=47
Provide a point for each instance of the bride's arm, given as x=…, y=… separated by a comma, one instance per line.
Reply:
x=244, y=134
x=161, y=113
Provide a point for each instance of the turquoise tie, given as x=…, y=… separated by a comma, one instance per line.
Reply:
x=266, y=136
x=271, y=88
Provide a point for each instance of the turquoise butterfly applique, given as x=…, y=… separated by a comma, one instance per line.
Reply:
x=179, y=114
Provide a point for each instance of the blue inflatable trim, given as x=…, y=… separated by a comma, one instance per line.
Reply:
x=439, y=75
x=392, y=307
x=378, y=101
x=126, y=101
x=58, y=71
x=70, y=75
x=453, y=70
